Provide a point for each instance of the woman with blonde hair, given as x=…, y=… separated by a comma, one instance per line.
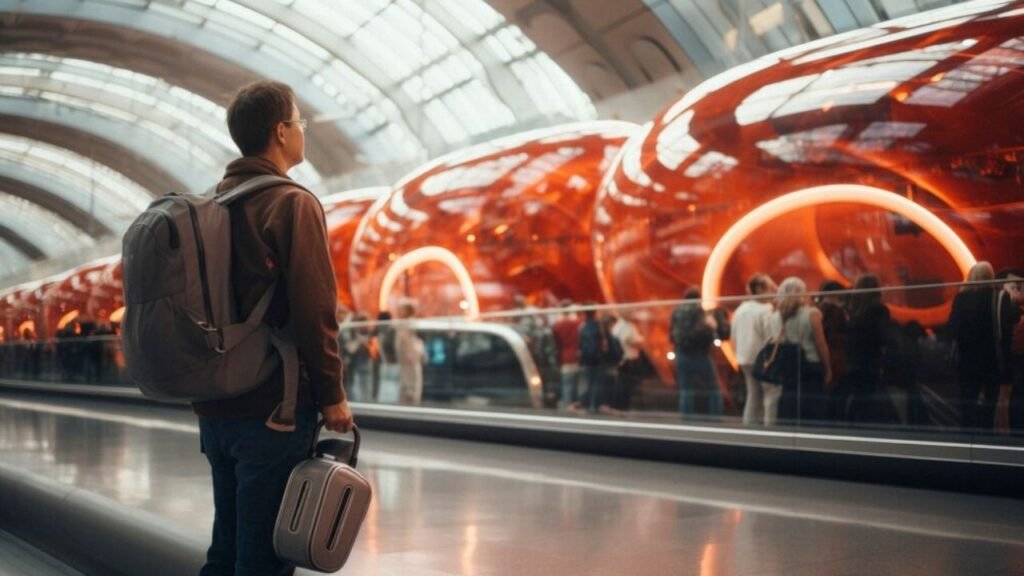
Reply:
x=797, y=321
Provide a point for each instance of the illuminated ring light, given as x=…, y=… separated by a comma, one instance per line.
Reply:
x=711, y=284
x=431, y=254
x=66, y=319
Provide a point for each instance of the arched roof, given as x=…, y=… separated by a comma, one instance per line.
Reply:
x=140, y=86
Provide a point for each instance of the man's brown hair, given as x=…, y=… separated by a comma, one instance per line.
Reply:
x=255, y=112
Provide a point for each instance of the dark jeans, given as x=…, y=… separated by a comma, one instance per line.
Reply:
x=597, y=379
x=975, y=415
x=250, y=464
x=804, y=400
x=696, y=375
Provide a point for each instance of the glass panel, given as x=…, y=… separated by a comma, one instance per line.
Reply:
x=874, y=370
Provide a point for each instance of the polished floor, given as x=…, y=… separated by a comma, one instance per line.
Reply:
x=445, y=507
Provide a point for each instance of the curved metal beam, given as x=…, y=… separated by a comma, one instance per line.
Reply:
x=193, y=178
x=46, y=198
x=21, y=244
x=11, y=260
x=115, y=156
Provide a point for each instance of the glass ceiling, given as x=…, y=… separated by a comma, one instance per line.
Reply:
x=49, y=232
x=402, y=78
x=94, y=188
x=718, y=35
x=11, y=260
x=186, y=121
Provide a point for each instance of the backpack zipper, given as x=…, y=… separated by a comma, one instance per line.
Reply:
x=202, y=263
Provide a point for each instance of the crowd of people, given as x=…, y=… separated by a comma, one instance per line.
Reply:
x=853, y=355
x=837, y=358
x=383, y=363
x=82, y=350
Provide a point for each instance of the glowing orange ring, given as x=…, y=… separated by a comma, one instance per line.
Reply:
x=431, y=254
x=711, y=284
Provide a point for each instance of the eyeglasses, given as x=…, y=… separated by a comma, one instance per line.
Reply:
x=303, y=122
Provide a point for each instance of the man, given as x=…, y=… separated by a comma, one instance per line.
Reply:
x=410, y=352
x=1007, y=316
x=597, y=354
x=750, y=332
x=835, y=322
x=278, y=234
x=566, y=332
x=692, y=332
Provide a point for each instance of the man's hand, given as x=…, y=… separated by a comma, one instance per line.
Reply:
x=338, y=417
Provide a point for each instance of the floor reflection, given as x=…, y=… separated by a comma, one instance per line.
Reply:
x=444, y=507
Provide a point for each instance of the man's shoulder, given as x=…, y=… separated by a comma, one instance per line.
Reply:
x=292, y=191
x=290, y=198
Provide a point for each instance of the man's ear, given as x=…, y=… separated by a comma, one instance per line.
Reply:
x=279, y=133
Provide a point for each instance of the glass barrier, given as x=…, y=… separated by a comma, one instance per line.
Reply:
x=944, y=361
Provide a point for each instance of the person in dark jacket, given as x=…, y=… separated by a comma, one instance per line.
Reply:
x=834, y=321
x=599, y=350
x=973, y=334
x=865, y=345
x=692, y=332
x=278, y=235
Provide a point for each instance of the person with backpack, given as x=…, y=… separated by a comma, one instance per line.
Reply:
x=692, y=332
x=599, y=352
x=230, y=302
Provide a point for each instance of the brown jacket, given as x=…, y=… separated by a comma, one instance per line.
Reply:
x=280, y=233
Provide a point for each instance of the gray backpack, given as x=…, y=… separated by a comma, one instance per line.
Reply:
x=182, y=341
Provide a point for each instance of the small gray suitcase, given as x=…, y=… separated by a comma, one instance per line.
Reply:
x=323, y=506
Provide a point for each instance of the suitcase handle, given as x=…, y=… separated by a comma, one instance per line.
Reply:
x=336, y=446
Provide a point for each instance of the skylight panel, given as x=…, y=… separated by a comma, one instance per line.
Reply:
x=481, y=105
x=76, y=170
x=17, y=71
x=514, y=41
x=446, y=122
x=287, y=35
x=72, y=78
x=176, y=12
x=50, y=232
x=477, y=17
x=392, y=60
x=246, y=14
x=223, y=24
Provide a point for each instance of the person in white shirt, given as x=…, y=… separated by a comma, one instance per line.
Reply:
x=630, y=368
x=751, y=330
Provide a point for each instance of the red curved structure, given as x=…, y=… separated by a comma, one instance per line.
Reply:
x=515, y=213
x=343, y=212
x=928, y=108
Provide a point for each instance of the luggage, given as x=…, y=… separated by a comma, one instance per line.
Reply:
x=323, y=507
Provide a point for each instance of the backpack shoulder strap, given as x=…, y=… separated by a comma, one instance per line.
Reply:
x=254, y=185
